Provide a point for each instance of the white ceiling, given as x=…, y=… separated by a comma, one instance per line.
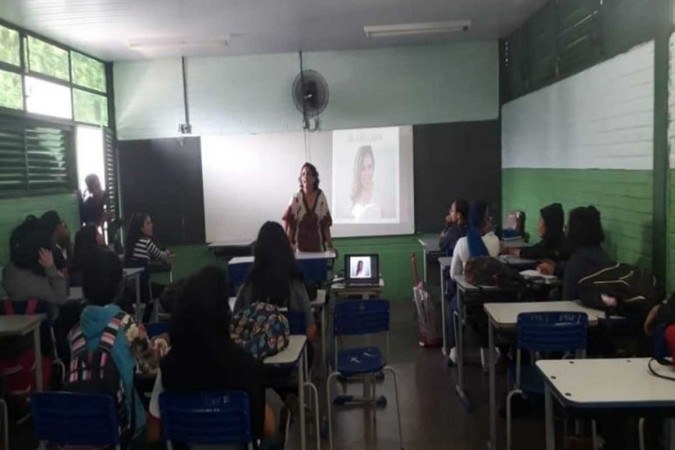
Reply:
x=104, y=27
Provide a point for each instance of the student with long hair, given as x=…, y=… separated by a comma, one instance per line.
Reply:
x=203, y=357
x=275, y=277
x=553, y=244
x=87, y=240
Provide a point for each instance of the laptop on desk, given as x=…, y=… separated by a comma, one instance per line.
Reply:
x=362, y=270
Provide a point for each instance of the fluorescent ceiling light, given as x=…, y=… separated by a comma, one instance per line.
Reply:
x=178, y=42
x=411, y=29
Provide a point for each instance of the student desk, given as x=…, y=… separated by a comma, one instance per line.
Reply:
x=134, y=273
x=444, y=262
x=21, y=325
x=294, y=356
x=518, y=263
x=231, y=247
x=504, y=317
x=515, y=243
x=430, y=244
x=364, y=292
x=605, y=384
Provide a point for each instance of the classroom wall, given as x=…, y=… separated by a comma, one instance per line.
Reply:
x=588, y=140
x=670, y=238
x=251, y=94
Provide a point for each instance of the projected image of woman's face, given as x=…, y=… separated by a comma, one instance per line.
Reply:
x=366, y=174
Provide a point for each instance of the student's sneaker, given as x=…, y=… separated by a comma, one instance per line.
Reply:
x=452, y=356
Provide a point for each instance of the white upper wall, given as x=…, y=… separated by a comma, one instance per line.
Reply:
x=368, y=88
x=600, y=118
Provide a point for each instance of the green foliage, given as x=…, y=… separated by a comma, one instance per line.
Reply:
x=90, y=108
x=47, y=59
x=88, y=72
x=11, y=90
x=10, y=48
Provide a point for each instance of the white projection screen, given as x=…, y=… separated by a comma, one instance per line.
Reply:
x=366, y=175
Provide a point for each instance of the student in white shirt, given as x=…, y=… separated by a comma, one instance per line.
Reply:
x=479, y=241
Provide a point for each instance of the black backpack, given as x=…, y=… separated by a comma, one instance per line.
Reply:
x=95, y=372
x=634, y=288
x=489, y=271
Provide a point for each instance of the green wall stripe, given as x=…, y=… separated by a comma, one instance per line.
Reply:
x=624, y=198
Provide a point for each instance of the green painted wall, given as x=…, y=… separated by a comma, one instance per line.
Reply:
x=624, y=198
x=394, y=260
x=14, y=210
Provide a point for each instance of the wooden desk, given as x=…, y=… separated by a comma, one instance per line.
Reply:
x=504, y=317
x=21, y=325
x=605, y=384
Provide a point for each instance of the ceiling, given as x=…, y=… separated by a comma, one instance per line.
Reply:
x=104, y=28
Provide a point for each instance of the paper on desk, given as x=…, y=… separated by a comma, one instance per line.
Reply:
x=536, y=274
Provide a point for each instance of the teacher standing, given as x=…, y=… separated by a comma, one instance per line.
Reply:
x=308, y=218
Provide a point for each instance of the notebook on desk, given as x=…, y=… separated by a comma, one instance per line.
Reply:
x=362, y=270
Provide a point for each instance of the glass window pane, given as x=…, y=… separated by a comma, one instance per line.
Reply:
x=10, y=48
x=88, y=72
x=51, y=99
x=11, y=90
x=90, y=155
x=90, y=108
x=47, y=59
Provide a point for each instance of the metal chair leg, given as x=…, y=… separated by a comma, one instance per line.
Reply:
x=398, y=406
x=315, y=392
x=508, y=416
x=5, y=422
x=641, y=432
x=329, y=407
x=596, y=443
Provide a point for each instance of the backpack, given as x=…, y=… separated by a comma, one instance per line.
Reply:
x=489, y=271
x=634, y=288
x=261, y=329
x=95, y=372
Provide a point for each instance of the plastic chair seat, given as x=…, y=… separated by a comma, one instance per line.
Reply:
x=360, y=360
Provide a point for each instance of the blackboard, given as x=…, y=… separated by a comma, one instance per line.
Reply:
x=163, y=177
x=455, y=160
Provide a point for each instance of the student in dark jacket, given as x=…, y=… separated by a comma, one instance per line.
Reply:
x=455, y=226
x=553, y=245
x=585, y=237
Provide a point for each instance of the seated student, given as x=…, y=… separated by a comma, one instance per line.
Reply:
x=455, y=226
x=140, y=250
x=103, y=286
x=584, y=237
x=87, y=240
x=479, y=241
x=275, y=277
x=203, y=358
x=60, y=236
x=553, y=244
x=32, y=273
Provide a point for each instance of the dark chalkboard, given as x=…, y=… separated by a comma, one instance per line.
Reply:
x=455, y=160
x=163, y=177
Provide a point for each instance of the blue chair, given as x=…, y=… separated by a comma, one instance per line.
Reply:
x=236, y=275
x=543, y=332
x=361, y=317
x=67, y=418
x=206, y=418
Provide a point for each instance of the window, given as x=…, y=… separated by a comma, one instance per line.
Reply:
x=48, y=59
x=10, y=47
x=11, y=90
x=34, y=158
x=50, y=99
x=88, y=72
x=90, y=155
x=90, y=108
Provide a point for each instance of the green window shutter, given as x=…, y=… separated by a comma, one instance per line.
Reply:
x=47, y=158
x=12, y=160
x=110, y=156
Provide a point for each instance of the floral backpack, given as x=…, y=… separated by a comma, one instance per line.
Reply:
x=261, y=329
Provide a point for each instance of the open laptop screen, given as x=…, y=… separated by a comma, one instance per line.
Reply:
x=361, y=267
